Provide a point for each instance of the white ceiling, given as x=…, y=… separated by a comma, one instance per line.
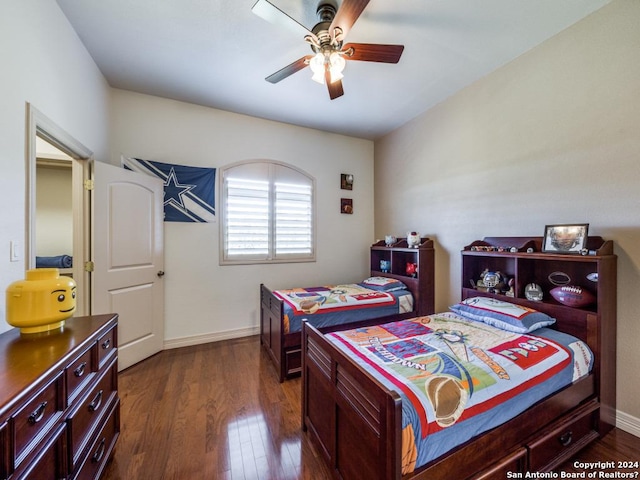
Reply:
x=217, y=53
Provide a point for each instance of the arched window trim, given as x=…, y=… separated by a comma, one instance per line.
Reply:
x=280, y=224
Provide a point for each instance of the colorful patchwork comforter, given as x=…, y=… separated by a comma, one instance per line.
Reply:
x=459, y=378
x=336, y=304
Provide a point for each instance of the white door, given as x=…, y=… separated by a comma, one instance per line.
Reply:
x=128, y=256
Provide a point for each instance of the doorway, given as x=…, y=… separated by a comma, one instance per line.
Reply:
x=58, y=226
x=126, y=245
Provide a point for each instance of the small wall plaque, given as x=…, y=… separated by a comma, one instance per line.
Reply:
x=346, y=181
x=346, y=205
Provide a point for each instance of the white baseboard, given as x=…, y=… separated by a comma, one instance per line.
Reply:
x=210, y=337
x=628, y=423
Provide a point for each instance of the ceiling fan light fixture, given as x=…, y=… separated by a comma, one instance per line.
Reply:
x=326, y=38
x=336, y=66
x=335, y=76
x=317, y=66
x=318, y=77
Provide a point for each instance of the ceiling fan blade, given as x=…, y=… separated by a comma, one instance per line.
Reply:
x=347, y=15
x=373, y=52
x=289, y=69
x=335, y=88
x=272, y=14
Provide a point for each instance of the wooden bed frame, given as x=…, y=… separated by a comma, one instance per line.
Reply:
x=284, y=348
x=356, y=422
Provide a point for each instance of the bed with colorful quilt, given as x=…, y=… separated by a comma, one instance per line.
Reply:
x=332, y=305
x=487, y=388
x=384, y=296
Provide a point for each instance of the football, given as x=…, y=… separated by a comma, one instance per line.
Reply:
x=573, y=296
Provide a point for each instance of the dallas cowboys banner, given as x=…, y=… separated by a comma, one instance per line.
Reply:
x=189, y=192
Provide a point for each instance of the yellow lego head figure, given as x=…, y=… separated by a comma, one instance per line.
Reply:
x=41, y=302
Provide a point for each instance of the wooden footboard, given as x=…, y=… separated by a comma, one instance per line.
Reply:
x=349, y=415
x=272, y=329
x=356, y=424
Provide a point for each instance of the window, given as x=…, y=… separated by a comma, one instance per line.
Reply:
x=268, y=213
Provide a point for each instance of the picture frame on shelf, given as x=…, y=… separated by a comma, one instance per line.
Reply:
x=565, y=238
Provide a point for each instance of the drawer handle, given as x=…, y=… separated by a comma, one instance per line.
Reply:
x=106, y=344
x=100, y=451
x=95, y=404
x=78, y=372
x=566, y=438
x=37, y=414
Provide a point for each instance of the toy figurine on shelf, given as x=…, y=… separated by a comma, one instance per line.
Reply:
x=494, y=282
x=412, y=269
x=413, y=239
x=510, y=292
x=491, y=281
x=385, y=266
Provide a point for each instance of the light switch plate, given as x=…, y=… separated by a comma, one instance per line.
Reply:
x=15, y=253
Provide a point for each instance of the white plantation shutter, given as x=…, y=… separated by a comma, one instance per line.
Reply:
x=294, y=219
x=247, y=219
x=267, y=214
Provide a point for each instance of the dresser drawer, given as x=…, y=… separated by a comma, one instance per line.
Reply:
x=107, y=344
x=4, y=451
x=91, y=410
x=58, y=390
x=36, y=417
x=554, y=446
x=102, y=446
x=514, y=462
x=79, y=373
x=49, y=461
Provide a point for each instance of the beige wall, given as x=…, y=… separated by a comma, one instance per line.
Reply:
x=206, y=301
x=553, y=137
x=54, y=211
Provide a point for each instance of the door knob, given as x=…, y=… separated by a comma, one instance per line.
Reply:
x=161, y=273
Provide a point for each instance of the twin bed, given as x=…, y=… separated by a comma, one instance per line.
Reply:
x=490, y=388
x=385, y=296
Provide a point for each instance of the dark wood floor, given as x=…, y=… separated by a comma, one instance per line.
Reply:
x=217, y=411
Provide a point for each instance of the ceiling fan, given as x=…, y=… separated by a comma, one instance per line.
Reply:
x=326, y=41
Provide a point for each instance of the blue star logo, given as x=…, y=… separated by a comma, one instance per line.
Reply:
x=173, y=191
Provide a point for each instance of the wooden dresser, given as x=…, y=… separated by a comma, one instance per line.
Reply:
x=59, y=405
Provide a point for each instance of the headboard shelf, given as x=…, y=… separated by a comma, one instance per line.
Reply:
x=397, y=258
x=595, y=272
x=596, y=246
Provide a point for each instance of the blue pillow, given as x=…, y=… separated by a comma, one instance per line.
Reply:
x=503, y=315
x=383, y=284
